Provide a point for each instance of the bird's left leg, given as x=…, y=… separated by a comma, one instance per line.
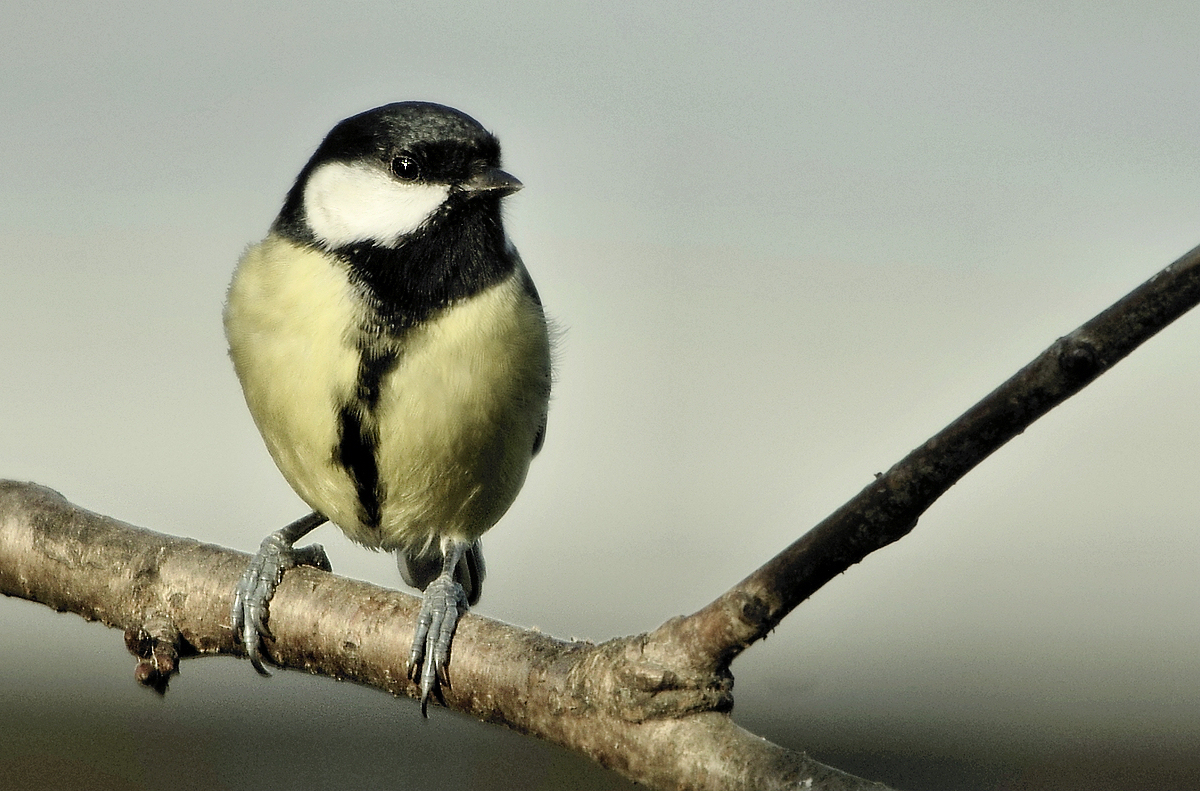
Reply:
x=278, y=553
x=444, y=601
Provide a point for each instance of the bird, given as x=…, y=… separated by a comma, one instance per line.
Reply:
x=396, y=358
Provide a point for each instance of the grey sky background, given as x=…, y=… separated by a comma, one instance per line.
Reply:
x=785, y=243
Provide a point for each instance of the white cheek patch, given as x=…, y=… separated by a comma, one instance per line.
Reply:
x=346, y=203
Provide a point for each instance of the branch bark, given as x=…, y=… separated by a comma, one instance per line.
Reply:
x=652, y=706
x=610, y=702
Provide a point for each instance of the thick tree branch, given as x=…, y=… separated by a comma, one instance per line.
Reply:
x=654, y=707
x=888, y=508
x=171, y=596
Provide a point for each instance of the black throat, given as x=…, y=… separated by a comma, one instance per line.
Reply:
x=461, y=252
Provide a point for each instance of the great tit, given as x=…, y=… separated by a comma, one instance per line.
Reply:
x=394, y=354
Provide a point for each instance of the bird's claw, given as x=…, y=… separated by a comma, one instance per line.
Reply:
x=248, y=615
x=443, y=603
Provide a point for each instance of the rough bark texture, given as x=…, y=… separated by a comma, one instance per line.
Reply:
x=610, y=701
x=651, y=706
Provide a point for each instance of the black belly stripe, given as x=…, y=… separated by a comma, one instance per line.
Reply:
x=358, y=433
x=461, y=253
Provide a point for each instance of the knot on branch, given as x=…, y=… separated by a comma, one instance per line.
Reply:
x=158, y=645
x=1078, y=359
x=630, y=679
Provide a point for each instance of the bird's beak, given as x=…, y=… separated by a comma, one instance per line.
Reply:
x=495, y=182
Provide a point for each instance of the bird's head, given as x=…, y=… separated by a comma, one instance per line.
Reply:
x=384, y=174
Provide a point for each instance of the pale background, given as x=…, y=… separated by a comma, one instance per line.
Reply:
x=786, y=243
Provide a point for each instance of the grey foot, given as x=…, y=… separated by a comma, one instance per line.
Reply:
x=248, y=615
x=445, y=600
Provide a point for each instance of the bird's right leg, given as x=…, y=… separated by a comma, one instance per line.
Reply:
x=277, y=554
x=444, y=601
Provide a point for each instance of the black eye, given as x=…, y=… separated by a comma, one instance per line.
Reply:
x=406, y=168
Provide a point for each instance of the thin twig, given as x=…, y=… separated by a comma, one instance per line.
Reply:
x=888, y=508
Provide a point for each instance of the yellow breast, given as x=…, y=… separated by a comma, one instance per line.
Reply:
x=456, y=417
